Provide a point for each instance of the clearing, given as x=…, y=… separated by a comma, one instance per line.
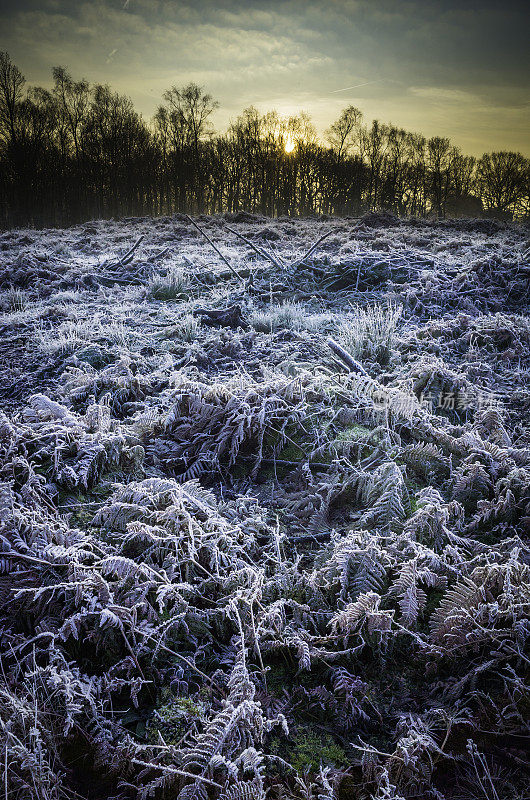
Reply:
x=232, y=564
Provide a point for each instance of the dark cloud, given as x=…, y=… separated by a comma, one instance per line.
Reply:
x=455, y=69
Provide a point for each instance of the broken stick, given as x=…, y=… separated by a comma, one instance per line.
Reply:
x=346, y=358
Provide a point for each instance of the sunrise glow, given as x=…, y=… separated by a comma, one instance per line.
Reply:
x=289, y=144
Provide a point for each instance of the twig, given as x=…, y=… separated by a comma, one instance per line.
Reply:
x=282, y=462
x=159, y=255
x=228, y=264
x=189, y=663
x=276, y=261
x=124, y=260
x=346, y=358
x=31, y=559
x=311, y=250
x=358, y=275
x=308, y=537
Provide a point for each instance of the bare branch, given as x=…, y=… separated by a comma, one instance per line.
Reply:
x=127, y=258
x=276, y=261
x=228, y=264
x=346, y=358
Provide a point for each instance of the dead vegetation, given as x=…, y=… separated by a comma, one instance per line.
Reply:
x=238, y=563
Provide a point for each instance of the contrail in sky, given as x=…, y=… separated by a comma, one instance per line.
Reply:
x=357, y=85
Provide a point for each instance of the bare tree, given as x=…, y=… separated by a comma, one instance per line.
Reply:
x=11, y=92
x=503, y=180
x=342, y=133
x=185, y=121
x=73, y=99
x=373, y=145
x=190, y=108
x=439, y=154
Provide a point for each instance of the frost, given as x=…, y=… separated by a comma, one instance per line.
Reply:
x=201, y=507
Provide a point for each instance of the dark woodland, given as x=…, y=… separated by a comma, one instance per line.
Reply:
x=78, y=152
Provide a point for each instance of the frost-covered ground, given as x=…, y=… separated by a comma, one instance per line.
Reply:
x=231, y=563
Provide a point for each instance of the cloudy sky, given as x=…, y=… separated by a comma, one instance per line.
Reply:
x=457, y=69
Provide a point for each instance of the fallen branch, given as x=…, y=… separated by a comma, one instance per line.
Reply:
x=346, y=358
x=127, y=258
x=203, y=233
x=276, y=261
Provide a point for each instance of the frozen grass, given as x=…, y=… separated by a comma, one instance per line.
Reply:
x=288, y=315
x=14, y=300
x=73, y=334
x=285, y=315
x=370, y=334
x=187, y=328
x=63, y=340
x=174, y=285
x=285, y=543
x=66, y=297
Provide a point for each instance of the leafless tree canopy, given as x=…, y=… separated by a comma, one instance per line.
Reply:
x=81, y=151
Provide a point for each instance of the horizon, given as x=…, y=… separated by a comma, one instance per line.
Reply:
x=293, y=57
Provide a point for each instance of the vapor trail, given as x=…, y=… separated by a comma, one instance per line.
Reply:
x=357, y=85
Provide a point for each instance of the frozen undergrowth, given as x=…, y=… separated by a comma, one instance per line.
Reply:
x=370, y=333
x=231, y=568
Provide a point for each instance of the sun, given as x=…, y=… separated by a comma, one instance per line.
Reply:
x=289, y=144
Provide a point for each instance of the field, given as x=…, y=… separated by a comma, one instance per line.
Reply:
x=264, y=509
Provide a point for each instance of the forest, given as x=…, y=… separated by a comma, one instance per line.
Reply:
x=80, y=151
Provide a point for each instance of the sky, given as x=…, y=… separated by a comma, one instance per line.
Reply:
x=456, y=69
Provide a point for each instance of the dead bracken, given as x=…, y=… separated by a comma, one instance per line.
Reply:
x=264, y=510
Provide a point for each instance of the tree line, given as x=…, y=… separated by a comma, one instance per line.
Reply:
x=80, y=151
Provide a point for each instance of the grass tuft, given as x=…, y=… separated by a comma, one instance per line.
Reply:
x=370, y=334
x=174, y=285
